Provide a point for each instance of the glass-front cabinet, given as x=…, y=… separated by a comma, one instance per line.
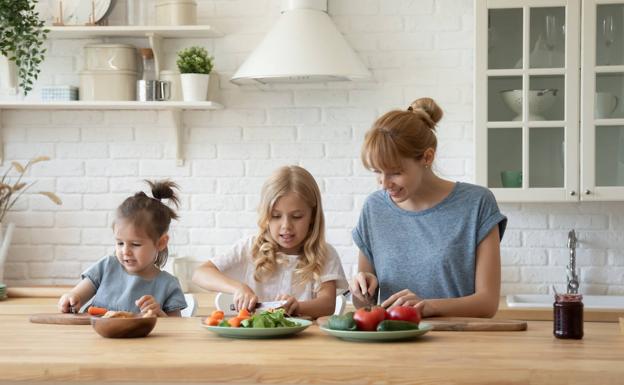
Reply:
x=541, y=134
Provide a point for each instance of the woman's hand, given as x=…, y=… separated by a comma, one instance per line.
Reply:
x=245, y=298
x=69, y=303
x=291, y=307
x=363, y=286
x=403, y=298
x=147, y=304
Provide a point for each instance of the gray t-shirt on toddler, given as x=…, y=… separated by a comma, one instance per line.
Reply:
x=431, y=252
x=118, y=290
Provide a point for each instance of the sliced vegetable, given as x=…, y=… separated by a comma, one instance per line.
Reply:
x=268, y=319
x=391, y=326
x=94, y=310
x=342, y=322
x=212, y=321
x=217, y=314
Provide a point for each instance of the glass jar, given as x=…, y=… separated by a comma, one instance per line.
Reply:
x=568, y=316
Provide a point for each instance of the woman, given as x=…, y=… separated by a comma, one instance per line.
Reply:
x=424, y=241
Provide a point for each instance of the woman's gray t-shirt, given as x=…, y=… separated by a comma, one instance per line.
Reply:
x=118, y=290
x=430, y=252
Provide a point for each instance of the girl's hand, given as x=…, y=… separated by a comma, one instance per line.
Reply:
x=403, y=298
x=69, y=303
x=147, y=303
x=291, y=307
x=245, y=298
x=363, y=286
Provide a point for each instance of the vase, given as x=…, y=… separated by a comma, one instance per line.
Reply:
x=8, y=76
x=195, y=87
x=5, y=243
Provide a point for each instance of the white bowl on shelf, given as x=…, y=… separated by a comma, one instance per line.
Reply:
x=539, y=102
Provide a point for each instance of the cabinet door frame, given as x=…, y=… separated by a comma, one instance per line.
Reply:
x=589, y=190
x=569, y=191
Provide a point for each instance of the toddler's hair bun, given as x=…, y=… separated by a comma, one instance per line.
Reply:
x=430, y=107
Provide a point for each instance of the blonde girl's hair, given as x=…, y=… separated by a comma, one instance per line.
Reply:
x=285, y=180
x=401, y=134
x=150, y=214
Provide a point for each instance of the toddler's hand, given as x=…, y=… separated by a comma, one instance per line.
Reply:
x=245, y=298
x=363, y=286
x=291, y=307
x=69, y=303
x=403, y=298
x=148, y=303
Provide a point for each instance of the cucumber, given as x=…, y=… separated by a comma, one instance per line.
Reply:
x=342, y=322
x=391, y=326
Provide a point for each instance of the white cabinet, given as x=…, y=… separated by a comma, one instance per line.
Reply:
x=549, y=79
x=155, y=36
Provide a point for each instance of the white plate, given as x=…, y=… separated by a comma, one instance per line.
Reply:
x=75, y=12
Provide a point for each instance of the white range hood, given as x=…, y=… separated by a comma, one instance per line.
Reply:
x=304, y=46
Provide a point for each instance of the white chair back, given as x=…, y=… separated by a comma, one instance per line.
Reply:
x=191, y=305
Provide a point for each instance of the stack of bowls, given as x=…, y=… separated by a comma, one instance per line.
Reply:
x=110, y=72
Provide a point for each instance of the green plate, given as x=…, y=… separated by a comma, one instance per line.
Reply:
x=255, y=333
x=423, y=328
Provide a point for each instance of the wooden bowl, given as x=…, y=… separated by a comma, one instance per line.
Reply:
x=123, y=327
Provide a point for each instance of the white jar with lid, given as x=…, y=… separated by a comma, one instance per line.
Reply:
x=176, y=12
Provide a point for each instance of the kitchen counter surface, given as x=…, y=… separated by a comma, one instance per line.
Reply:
x=180, y=350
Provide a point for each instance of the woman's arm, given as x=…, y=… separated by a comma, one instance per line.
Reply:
x=364, y=285
x=209, y=277
x=324, y=303
x=484, y=302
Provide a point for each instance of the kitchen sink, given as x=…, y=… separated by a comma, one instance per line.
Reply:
x=546, y=301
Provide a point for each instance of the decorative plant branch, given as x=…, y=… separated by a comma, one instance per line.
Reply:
x=194, y=60
x=10, y=193
x=22, y=35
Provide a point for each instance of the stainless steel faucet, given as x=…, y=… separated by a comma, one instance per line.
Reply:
x=572, y=277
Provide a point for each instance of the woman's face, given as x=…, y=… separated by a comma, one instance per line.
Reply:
x=405, y=183
x=135, y=251
x=289, y=223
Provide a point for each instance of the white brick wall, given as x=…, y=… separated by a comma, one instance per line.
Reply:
x=413, y=48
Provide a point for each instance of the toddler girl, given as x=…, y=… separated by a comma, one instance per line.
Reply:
x=131, y=280
x=288, y=259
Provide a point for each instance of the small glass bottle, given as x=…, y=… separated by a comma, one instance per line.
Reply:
x=568, y=316
x=149, y=70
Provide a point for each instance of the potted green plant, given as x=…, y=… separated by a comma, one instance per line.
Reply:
x=10, y=193
x=22, y=35
x=195, y=66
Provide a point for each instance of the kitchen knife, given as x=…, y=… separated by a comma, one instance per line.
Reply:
x=263, y=305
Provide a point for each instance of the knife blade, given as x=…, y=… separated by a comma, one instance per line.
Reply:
x=263, y=305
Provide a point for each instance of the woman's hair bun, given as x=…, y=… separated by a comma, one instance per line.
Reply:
x=429, y=106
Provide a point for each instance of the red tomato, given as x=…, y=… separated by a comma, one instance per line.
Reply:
x=367, y=319
x=404, y=313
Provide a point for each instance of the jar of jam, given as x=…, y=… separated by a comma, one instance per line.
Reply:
x=568, y=316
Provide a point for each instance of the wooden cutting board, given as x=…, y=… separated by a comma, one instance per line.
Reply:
x=61, y=318
x=474, y=324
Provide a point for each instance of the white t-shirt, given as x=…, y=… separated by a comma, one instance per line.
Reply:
x=237, y=264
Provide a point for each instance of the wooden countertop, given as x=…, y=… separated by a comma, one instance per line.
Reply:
x=179, y=350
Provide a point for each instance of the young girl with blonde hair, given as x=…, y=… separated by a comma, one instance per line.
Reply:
x=288, y=259
x=424, y=241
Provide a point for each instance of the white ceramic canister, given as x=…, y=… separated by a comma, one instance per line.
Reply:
x=110, y=57
x=176, y=12
x=173, y=77
x=108, y=85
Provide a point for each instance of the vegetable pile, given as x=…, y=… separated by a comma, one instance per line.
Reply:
x=377, y=319
x=267, y=319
